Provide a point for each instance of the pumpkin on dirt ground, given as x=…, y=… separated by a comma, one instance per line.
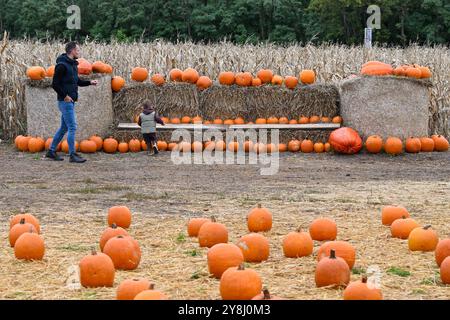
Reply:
x=332, y=271
x=96, y=270
x=120, y=216
x=98, y=141
x=222, y=256
x=211, y=233
x=440, y=143
x=128, y=289
x=323, y=229
x=374, y=144
x=442, y=250
x=88, y=146
x=413, y=145
x=18, y=229
x=111, y=232
x=29, y=246
x=48, y=144
x=401, y=228
x=427, y=144
x=36, y=144
x=342, y=249
x=391, y=213
x=259, y=219
x=361, y=290
x=255, y=247
x=345, y=140
x=29, y=218
x=445, y=271
x=151, y=294
x=123, y=251
x=423, y=239
x=110, y=145
x=297, y=244
x=240, y=284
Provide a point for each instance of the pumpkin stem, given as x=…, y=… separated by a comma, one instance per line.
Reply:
x=332, y=254
x=151, y=286
x=364, y=278
x=241, y=267
x=259, y=206
x=93, y=251
x=266, y=294
x=213, y=219
x=114, y=226
x=299, y=229
x=428, y=226
x=22, y=221
x=403, y=217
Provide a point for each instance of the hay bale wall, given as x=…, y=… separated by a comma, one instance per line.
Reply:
x=179, y=99
x=93, y=110
x=386, y=106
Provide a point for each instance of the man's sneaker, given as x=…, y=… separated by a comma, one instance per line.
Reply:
x=53, y=155
x=76, y=158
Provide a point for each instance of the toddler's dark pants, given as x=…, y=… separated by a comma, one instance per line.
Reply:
x=150, y=140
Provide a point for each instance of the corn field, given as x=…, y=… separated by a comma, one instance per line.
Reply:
x=332, y=63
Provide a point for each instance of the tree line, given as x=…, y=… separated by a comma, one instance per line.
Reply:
x=239, y=21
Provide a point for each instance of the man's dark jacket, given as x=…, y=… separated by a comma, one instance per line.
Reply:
x=65, y=80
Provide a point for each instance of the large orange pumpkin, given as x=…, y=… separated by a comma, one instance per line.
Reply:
x=36, y=73
x=323, y=229
x=342, y=249
x=393, y=146
x=211, y=233
x=204, y=83
x=427, y=144
x=176, y=75
x=277, y=80
x=391, y=213
x=265, y=75
x=332, y=271
x=18, y=229
x=374, y=144
x=190, y=75
x=130, y=288
x=294, y=145
x=401, y=228
x=110, y=145
x=29, y=218
x=442, y=251
x=158, y=79
x=36, y=145
x=423, y=239
x=88, y=146
x=98, y=141
x=445, y=271
x=240, y=284
x=256, y=82
x=226, y=78
x=413, y=145
x=290, y=82
x=123, y=147
x=345, y=140
x=361, y=290
x=297, y=244
x=84, y=67
x=123, y=252
x=151, y=294
x=425, y=72
x=134, y=145
x=255, y=247
x=244, y=79
x=97, y=270
x=139, y=74
x=29, y=246
x=222, y=256
x=307, y=146
x=120, y=216
x=307, y=77
x=111, y=232
x=440, y=143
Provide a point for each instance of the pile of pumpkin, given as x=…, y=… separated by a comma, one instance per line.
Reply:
x=335, y=259
x=84, y=68
x=242, y=79
x=239, y=120
x=395, y=146
x=377, y=68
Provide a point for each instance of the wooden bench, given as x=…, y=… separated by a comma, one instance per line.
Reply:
x=169, y=126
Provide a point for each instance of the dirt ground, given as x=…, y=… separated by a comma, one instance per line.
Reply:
x=71, y=202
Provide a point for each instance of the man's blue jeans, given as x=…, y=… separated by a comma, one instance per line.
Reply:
x=68, y=124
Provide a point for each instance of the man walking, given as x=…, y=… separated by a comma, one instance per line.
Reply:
x=66, y=83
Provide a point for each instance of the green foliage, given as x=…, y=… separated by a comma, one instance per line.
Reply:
x=241, y=21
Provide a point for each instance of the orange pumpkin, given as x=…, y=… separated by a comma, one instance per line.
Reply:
x=307, y=146
x=240, y=284
x=323, y=229
x=283, y=120
x=325, y=120
x=151, y=294
x=194, y=225
x=332, y=271
x=226, y=78
x=290, y=82
x=337, y=119
x=233, y=146
x=88, y=146
x=374, y=144
x=261, y=121
x=98, y=141
x=18, y=229
x=399, y=71
x=307, y=77
x=440, y=143
x=327, y=147
x=223, y=256
x=265, y=75
x=220, y=145
x=211, y=233
x=123, y=147
x=272, y=120
x=190, y=75
x=401, y=228
x=22, y=143
x=158, y=79
x=303, y=120
x=391, y=213
x=393, y=146
x=427, y=144
x=36, y=145
x=425, y=72
x=65, y=146
x=123, y=252
x=254, y=247
x=256, y=82
x=228, y=122
x=244, y=79
x=248, y=146
x=29, y=246
x=293, y=121
x=175, y=120
x=297, y=244
x=186, y=120
x=130, y=288
x=413, y=72
x=282, y=147
x=139, y=74
x=445, y=271
x=314, y=119
x=442, y=251
x=176, y=75
x=96, y=270
x=294, y=146
x=423, y=239
x=29, y=218
x=361, y=290
x=376, y=68
x=217, y=121
x=84, y=67
x=36, y=73
x=119, y=215
x=111, y=232
x=413, y=145
x=345, y=140
x=204, y=83
x=277, y=80
x=110, y=145
x=342, y=249
x=134, y=145
x=319, y=147
x=50, y=72
x=161, y=145
x=99, y=67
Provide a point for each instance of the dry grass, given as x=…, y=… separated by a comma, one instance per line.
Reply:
x=332, y=63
